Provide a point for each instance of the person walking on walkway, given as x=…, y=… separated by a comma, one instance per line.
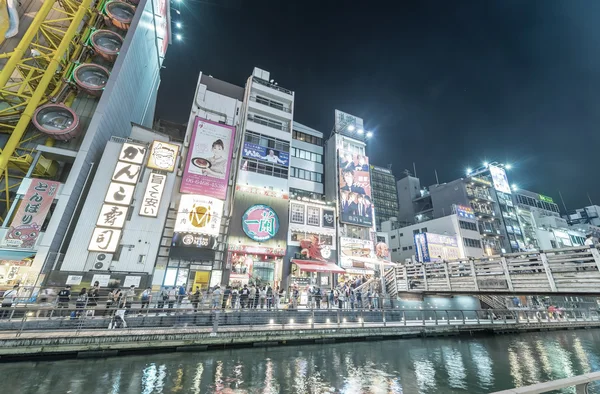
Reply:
x=146, y=298
x=317, y=296
x=263, y=297
x=216, y=297
x=252, y=294
x=180, y=295
x=93, y=297
x=245, y=293
x=269, y=295
x=234, y=298
x=81, y=302
x=256, y=297
x=129, y=297
x=226, y=296
x=172, y=297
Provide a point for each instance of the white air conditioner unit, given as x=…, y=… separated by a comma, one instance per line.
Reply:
x=102, y=262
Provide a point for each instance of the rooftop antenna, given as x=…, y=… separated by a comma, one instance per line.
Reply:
x=563, y=201
x=589, y=198
x=415, y=169
x=437, y=181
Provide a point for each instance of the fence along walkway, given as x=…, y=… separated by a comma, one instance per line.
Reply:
x=573, y=270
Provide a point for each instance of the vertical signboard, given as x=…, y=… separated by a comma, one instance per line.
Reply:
x=499, y=179
x=27, y=223
x=107, y=233
x=153, y=195
x=208, y=159
x=355, y=189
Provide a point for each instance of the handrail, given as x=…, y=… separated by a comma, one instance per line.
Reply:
x=580, y=382
x=272, y=86
x=270, y=103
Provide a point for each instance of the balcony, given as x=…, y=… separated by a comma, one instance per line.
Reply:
x=273, y=109
x=272, y=86
x=482, y=196
x=268, y=123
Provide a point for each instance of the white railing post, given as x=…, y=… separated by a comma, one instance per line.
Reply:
x=596, y=256
x=447, y=275
x=548, y=271
x=506, y=273
x=424, y=276
x=406, y=280
x=472, y=265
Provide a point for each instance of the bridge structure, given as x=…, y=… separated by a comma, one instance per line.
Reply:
x=566, y=271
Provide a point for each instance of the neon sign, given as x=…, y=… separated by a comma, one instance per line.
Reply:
x=260, y=223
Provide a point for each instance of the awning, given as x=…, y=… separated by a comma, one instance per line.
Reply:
x=369, y=260
x=317, y=266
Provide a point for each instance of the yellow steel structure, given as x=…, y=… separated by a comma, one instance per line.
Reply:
x=37, y=69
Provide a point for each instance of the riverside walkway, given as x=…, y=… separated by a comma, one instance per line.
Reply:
x=156, y=331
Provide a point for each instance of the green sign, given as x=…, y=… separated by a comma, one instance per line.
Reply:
x=546, y=199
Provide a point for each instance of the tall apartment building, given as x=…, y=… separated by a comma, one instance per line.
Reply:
x=385, y=195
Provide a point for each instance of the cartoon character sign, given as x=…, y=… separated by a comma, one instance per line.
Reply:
x=382, y=251
x=24, y=235
x=163, y=156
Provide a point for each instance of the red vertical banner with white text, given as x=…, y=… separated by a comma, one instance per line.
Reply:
x=28, y=220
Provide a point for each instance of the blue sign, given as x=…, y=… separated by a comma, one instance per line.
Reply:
x=260, y=223
x=269, y=155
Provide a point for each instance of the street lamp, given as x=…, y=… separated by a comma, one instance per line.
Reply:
x=369, y=134
x=351, y=127
x=360, y=131
x=178, y=37
x=469, y=171
x=178, y=24
x=508, y=166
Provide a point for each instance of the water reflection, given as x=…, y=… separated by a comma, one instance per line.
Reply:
x=450, y=365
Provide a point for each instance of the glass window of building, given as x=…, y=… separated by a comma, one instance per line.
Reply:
x=313, y=216
x=297, y=213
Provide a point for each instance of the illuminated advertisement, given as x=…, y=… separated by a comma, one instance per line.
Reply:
x=27, y=223
x=209, y=159
x=194, y=241
x=355, y=190
x=261, y=153
x=464, y=212
x=435, y=247
x=351, y=247
x=499, y=179
x=199, y=215
x=260, y=223
x=162, y=156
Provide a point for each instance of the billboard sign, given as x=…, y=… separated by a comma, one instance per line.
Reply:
x=33, y=209
x=499, y=179
x=328, y=218
x=194, y=240
x=347, y=123
x=464, y=212
x=546, y=199
x=355, y=189
x=261, y=153
x=436, y=247
x=162, y=156
x=112, y=216
x=105, y=240
x=351, y=247
x=208, y=159
x=260, y=223
x=199, y=215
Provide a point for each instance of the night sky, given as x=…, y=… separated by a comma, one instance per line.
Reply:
x=443, y=84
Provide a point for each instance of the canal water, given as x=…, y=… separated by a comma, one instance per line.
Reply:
x=430, y=365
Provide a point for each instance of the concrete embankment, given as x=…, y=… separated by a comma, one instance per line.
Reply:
x=106, y=343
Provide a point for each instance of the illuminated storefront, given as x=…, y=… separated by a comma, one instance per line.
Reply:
x=258, y=237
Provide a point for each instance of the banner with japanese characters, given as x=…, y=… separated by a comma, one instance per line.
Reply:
x=153, y=195
x=27, y=222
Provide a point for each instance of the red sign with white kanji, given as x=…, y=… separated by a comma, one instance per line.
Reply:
x=27, y=222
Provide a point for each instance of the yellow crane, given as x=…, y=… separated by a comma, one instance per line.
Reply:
x=35, y=72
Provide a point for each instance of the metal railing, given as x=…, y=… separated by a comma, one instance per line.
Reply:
x=272, y=86
x=572, y=270
x=580, y=382
x=270, y=103
x=216, y=313
x=273, y=125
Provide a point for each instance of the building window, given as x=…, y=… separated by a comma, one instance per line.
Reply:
x=404, y=248
x=467, y=225
x=267, y=122
x=415, y=232
x=394, y=250
x=410, y=247
x=306, y=175
x=253, y=165
x=297, y=213
x=393, y=237
x=326, y=239
x=267, y=141
x=313, y=216
x=472, y=243
x=424, y=230
x=311, y=139
x=306, y=155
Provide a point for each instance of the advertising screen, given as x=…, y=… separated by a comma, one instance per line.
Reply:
x=499, y=179
x=435, y=247
x=259, y=152
x=355, y=190
x=199, y=215
x=209, y=159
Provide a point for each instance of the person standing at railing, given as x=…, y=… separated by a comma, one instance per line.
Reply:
x=318, y=297
x=8, y=300
x=263, y=297
x=64, y=297
x=146, y=297
x=129, y=297
x=195, y=298
x=234, y=298
x=80, y=303
x=244, y=294
x=93, y=295
x=226, y=296
x=359, y=299
x=251, y=298
x=269, y=295
x=216, y=297
x=171, y=297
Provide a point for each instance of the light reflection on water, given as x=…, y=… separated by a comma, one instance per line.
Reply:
x=449, y=365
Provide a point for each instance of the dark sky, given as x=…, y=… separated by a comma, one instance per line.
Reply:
x=444, y=84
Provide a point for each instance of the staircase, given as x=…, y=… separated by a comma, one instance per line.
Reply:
x=493, y=301
x=391, y=282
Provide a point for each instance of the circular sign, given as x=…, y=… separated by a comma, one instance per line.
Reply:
x=260, y=223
